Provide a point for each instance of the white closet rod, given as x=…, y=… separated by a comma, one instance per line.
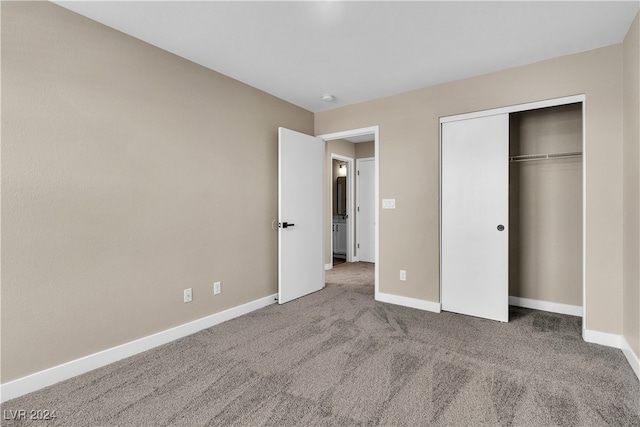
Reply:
x=531, y=157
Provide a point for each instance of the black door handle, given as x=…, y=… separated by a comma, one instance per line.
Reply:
x=286, y=225
x=500, y=227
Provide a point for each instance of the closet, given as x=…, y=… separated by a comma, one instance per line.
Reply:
x=512, y=209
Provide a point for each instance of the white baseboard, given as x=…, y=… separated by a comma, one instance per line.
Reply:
x=408, y=302
x=602, y=338
x=554, y=307
x=632, y=358
x=328, y=266
x=79, y=366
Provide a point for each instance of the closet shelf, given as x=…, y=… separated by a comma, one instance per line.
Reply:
x=530, y=157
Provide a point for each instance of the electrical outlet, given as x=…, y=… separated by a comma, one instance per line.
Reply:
x=216, y=288
x=187, y=295
x=403, y=275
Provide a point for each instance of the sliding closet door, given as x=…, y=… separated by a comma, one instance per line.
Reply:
x=475, y=214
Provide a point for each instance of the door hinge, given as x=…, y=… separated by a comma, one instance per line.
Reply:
x=358, y=245
x=358, y=172
x=358, y=208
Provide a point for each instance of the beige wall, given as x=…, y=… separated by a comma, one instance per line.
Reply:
x=128, y=174
x=545, y=206
x=409, y=168
x=631, y=218
x=365, y=150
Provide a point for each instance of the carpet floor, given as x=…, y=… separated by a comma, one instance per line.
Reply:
x=337, y=357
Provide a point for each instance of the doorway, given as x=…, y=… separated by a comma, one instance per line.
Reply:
x=341, y=195
x=357, y=136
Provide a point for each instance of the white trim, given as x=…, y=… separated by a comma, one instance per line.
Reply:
x=355, y=259
x=328, y=266
x=515, y=108
x=408, y=302
x=376, y=190
x=616, y=341
x=602, y=338
x=349, y=133
x=554, y=307
x=440, y=210
x=584, y=216
x=632, y=358
x=47, y=377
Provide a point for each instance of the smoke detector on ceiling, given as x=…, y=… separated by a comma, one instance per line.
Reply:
x=327, y=98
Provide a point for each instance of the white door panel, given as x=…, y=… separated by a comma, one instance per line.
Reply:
x=300, y=206
x=366, y=210
x=475, y=202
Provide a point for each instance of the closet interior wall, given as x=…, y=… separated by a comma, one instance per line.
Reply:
x=545, y=206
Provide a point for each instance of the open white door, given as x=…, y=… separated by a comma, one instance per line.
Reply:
x=475, y=215
x=300, y=214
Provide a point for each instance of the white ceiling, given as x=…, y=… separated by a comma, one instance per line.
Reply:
x=362, y=50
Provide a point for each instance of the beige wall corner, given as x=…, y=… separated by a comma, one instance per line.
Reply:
x=128, y=175
x=408, y=150
x=631, y=167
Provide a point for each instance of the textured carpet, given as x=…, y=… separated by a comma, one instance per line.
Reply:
x=337, y=357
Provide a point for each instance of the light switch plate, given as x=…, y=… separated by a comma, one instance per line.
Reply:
x=388, y=203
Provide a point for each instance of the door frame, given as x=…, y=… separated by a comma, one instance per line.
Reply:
x=350, y=187
x=554, y=102
x=359, y=132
